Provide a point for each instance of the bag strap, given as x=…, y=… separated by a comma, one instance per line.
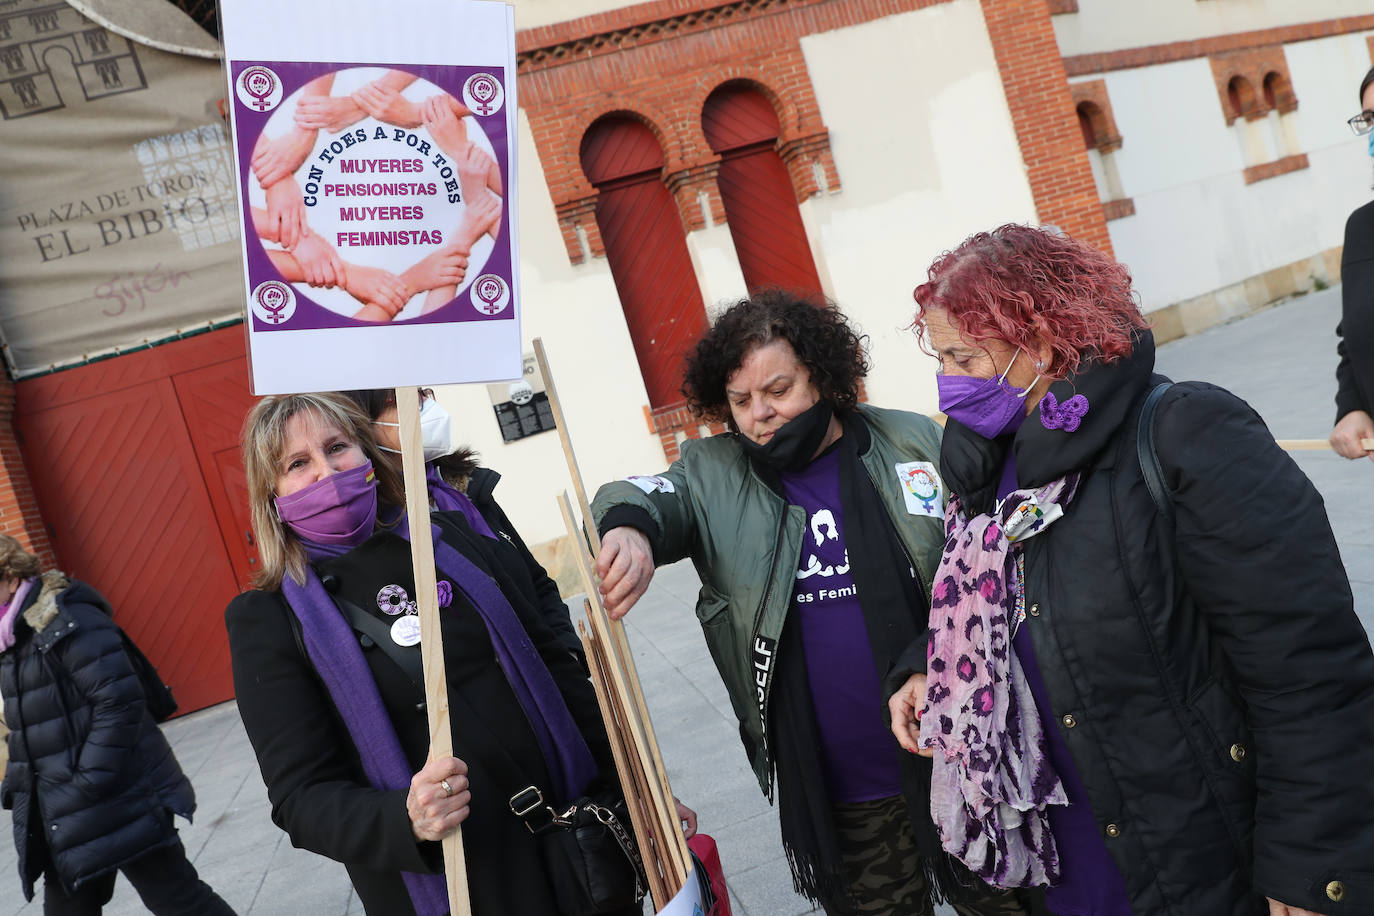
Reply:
x=378, y=631
x=1148, y=454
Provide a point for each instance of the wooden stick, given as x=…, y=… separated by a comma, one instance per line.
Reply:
x=1316, y=445
x=618, y=636
x=431, y=641
x=561, y=422
x=623, y=768
x=665, y=810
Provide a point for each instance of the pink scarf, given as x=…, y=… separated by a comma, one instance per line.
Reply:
x=992, y=780
x=11, y=613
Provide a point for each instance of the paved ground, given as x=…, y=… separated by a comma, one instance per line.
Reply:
x=1281, y=361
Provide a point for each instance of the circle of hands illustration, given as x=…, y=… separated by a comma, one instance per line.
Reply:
x=308, y=257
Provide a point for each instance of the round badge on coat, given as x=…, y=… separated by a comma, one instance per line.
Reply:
x=393, y=600
x=405, y=631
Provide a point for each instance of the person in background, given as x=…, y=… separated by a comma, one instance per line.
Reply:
x=1355, y=347
x=458, y=483
x=815, y=527
x=91, y=780
x=1152, y=703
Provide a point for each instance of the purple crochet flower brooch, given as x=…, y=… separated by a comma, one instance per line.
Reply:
x=1066, y=416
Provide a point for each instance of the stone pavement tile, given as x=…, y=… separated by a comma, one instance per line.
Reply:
x=314, y=886
x=766, y=890
x=748, y=843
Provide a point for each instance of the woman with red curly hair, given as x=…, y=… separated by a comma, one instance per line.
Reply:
x=1144, y=661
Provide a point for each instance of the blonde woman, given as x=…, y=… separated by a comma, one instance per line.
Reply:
x=326, y=670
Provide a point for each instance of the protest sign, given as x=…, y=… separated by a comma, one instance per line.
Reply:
x=375, y=151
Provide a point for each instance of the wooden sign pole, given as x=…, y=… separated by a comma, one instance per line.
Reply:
x=431, y=642
x=1316, y=445
x=676, y=851
x=617, y=629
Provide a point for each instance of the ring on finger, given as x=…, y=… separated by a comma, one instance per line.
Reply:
x=448, y=789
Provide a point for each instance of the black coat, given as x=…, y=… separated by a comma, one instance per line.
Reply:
x=1220, y=684
x=1355, y=347
x=313, y=773
x=480, y=486
x=91, y=779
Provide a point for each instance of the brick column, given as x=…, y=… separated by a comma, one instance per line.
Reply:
x=19, y=516
x=1042, y=109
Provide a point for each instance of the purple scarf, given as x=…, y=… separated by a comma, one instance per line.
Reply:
x=11, y=613
x=992, y=779
x=449, y=499
x=336, y=656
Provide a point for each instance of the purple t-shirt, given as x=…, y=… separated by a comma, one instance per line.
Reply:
x=1090, y=883
x=858, y=752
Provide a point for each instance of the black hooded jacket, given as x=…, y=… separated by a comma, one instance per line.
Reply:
x=91, y=779
x=1210, y=679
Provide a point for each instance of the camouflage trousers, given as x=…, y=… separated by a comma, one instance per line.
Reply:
x=884, y=870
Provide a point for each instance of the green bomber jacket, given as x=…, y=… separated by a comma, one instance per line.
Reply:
x=745, y=540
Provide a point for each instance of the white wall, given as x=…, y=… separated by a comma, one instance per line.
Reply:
x=926, y=153
x=918, y=176
x=576, y=312
x=1108, y=25
x=1198, y=227
x=533, y=13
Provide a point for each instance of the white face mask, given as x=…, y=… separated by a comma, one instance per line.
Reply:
x=436, y=431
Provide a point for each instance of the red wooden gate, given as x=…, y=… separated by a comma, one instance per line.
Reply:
x=760, y=202
x=647, y=251
x=135, y=464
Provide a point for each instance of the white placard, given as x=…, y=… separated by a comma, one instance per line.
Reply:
x=375, y=151
x=688, y=900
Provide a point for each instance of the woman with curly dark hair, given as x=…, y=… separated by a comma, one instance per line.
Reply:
x=815, y=526
x=1147, y=687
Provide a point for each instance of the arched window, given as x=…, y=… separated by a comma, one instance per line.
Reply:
x=1281, y=103
x=1241, y=94
x=1101, y=142
x=760, y=201
x=1244, y=117
x=1085, y=125
x=646, y=249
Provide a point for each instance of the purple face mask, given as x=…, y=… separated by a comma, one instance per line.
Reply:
x=341, y=509
x=988, y=406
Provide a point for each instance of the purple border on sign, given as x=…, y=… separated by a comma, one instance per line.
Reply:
x=310, y=315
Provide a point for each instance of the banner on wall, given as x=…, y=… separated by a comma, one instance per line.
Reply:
x=375, y=150
x=118, y=223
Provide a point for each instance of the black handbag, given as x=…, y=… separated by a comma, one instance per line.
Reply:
x=589, y=852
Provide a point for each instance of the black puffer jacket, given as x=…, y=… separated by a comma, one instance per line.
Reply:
x=1221, y=687
x=90, y=777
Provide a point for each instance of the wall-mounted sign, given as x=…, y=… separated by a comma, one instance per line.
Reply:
x=522, y=406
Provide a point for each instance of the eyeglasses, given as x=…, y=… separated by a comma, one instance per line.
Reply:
x=1362, y=123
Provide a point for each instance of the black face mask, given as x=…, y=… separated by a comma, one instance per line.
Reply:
x=796, y=441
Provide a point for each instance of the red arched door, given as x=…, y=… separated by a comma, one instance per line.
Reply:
x=647, y=251
x=760, y=202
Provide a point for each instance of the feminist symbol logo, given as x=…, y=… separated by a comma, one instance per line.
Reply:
x=274, y=302
x=482, y=94
x=260, y=88
x=921, y=484
x=490, y=294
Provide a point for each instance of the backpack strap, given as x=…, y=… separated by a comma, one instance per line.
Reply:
x=1148, y=454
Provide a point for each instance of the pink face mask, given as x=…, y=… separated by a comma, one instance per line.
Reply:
x=340, y=509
